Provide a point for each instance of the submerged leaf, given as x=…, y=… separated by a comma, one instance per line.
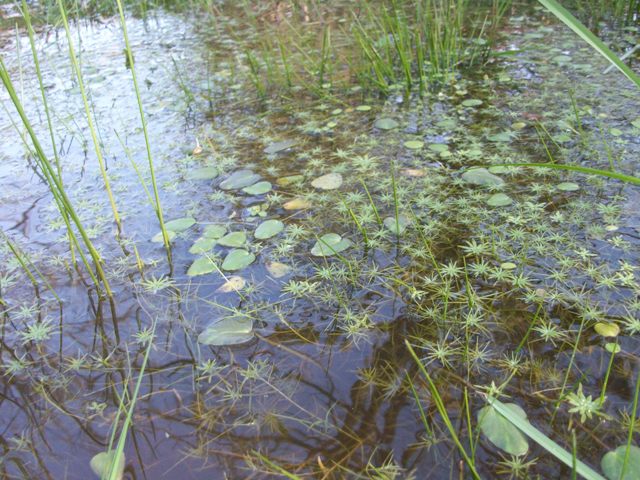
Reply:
x=268, y=229
x=397, y=227
x=612, y=463
x=101, y=464
x=233, y=284
x=501, y=432
x=330, y=244
x=330, y=181
x=277, y=269
x=289, y=180
x=279, y=146
x=238, y=259
x=232, y=330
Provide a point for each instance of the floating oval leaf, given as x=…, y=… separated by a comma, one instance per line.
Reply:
x=612, y=463
x=414, y=144
x=386, y=124
x=158, y=238
x=204, y=173
x=202, y=245
x=238, y=259
x=499, y=200
x=481, y=176
x=101, y=464
x=279, y=146
x=232, y=330
x=180, y=224
x=330, y=181
x=289, y=180
x=612, y=347
x=268, y=229
x=297, y=204
x=472, y=102
x=214, y=231
x=508, y=266
x=568, y=186
x=607, y=329
x=363, y=108
x=240, y=179
x=439, y=147
x=330, y=244
x=259, y=188
x=201, y=266
x=233, y=239
x=501, y=432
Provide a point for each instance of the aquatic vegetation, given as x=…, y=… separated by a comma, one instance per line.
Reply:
x=364, y=262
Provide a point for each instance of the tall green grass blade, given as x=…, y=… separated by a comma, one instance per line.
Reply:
x=574, y=24
x=156, y=194
x=545, y=442
x=576, y=168
x=442, y=409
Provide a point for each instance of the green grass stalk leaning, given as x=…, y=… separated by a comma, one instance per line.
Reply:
x=156, y=194
x=90, y=122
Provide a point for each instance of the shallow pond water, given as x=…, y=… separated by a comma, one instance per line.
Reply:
x=494, y=276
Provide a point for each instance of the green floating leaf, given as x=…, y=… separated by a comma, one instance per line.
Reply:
x=499, y=200
x=386, y=124
x=330, y=244
x=414, y=144
x=180, y=224
x=439, y=147
x=330, y=181
x=481, y=176
x=233, y=239
x=363, y=108
x=268, y=229
x=277, y=147
x=232, y=330
x=568, y=187
x=201, y=266
x=289, y=180
x=240, y=179
x=399, y=227
x=472, y=102
x=612, y=347
x=101, y=464
x=204, y=173
x=202, y=245
x=636, y=123
x=501, y=432
x=237, y=259
x=607, y=329
x=214, y=231
x=259, y=188
x=612, y=463
x=158, y=238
